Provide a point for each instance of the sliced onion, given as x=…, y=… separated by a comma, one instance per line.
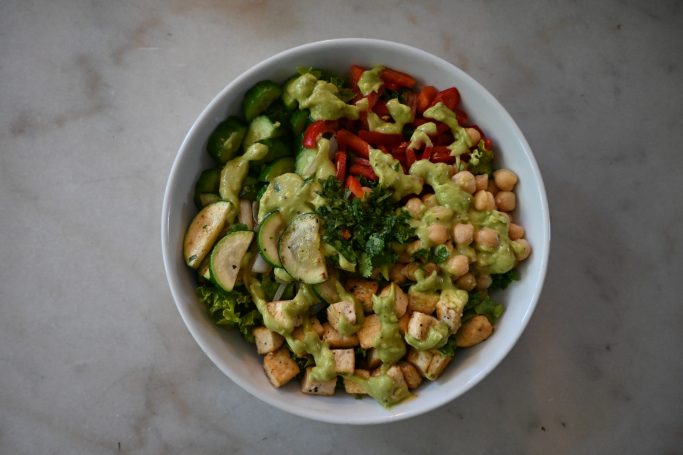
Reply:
x=334, y=146
x=260, y=265
x=280, y=291
x=245, y=215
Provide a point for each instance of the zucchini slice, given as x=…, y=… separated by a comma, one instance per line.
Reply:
x=327, y=291
x=226, y=258
x=277, y=168
x=299, y=250
x=259, y=97
x=203, y=232
x=269, y=233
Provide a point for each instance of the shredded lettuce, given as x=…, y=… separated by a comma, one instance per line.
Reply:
x=232, y=309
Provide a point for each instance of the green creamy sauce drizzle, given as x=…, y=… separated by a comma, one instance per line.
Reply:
x=498, y=260
x=320, y=97
x=315, y=162
x=442, y=114
x=421, y=135
x=389, y=344
x=391, y=175
x=447, y=192
x=287, y=193
x=233, y=174
x=370, y=81
x=382, y=388
x=401, y=114
x=436, y=337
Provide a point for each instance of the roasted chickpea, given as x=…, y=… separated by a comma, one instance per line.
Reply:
x=506, y=201
x=457, y=265
x=467, y=282
x=474, y=135
x=481, y=181
x=415, y=207
x=483, y=200
x=515, y=231
x=473, y=331
x=505, y=179
x=429, y=200
x=465, y=180
x=522, y=249
x=437, y=233
x=492, y=188
x=487, y=238
x=463, y=234
x=484, y=281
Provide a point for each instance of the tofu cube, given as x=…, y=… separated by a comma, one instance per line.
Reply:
x=438, y=364
x=344, y=360
x=401, y=299
x=424, y=302
x=315, y=325
x=336, y=340
x=312, y=387
x=411, y=375
x=267, y=341
x=354, y=388
x=420, y=360
x=362, y=290
x=369, y=331
x=403, y=323
x=279, y=367
x=276, y=310
x=450, y=306
x=419, y=325
x=342, y=311
x=395, y=373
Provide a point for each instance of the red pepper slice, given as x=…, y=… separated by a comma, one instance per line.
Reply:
x=427, y=154
x=372, y=99
x=362, y=161
x=375, y=138
x=488, y=143
x=354, y=186
x=340, y=159
x=349, y=141
x=410, y=100
x=450, y=97
x=410, y=157
x=380, y=108
x=315, y=130
x=461, y=117
x=359, y=170
x=391, y=86
x=441, y=154
x=397, y=78
x=356, y=73
x=425, y=98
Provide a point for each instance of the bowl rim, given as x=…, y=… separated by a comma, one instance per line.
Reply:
x=332, y=417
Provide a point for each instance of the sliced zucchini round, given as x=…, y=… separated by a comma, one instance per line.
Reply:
x=226, y=258
x=269, y=233
x=299, y=250
x=202, y=233
x=327, y=291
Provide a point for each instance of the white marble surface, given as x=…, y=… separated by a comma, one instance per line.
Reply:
x=95, y=98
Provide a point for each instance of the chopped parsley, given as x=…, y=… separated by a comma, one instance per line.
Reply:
x=503, y=280
x=480, y=302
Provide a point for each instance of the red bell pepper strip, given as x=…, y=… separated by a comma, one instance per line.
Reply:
x=356, y=73
x=380, y=108
x=410, y=157
x=361, y=161
x=375, y=138
x=391, y=86
x=450, y=97
x=315, y=130
x=488, y=143
x=427, y=154
x=425, y=98
x=372, y=99
x=397, y=78
x=349, y=141
x=358, y=170
x=461, y=117
x=441, y=154
x=340, y=159
x=410, y=100
x=354, y=186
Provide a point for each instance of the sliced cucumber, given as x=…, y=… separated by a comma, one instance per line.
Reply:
x=277, y=148
x=202, y=233
x=207, y=183
x=328, y=290
x=226, y=258
x=268, y=236
x=298, y=121
x=261, y=128
x=277, y=168
x=299, y=250
x=226, y=139
x=205, y=199
x=259, y=97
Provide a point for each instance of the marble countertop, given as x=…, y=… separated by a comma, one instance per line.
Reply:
x=95, y=99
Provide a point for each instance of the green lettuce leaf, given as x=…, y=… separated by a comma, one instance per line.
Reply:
x=232, y=309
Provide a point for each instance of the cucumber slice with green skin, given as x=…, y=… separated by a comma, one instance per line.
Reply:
x=299, y=250
x=269, y=233
x=259, y=97
x=299, y=120
x=205, y=199
x=277, y=148
x=203, y=232
x=261, y=128
x=207, y=183
x=226, y=139
x=226, y=258
x=277, y=168
x=327, y=291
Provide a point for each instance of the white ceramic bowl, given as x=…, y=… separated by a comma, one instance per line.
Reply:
x=237, y=359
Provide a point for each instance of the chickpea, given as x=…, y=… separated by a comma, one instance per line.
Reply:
x=492, y=188
x=437, y=233
x=483, y=200
x=395, y=273
x=457, y=265
x=430, y=268
x=465, y=180
x=413, y=247
x=429, y=200
x=506, y=201
x=505, y=179
x=484, y=281
x=415, y=207
x=487, y=238
x=474, y=135
x=473, y=331
x=463, y=233
x=481, y=181
x=515, y=231
x=522, y=249
x=467, y=282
